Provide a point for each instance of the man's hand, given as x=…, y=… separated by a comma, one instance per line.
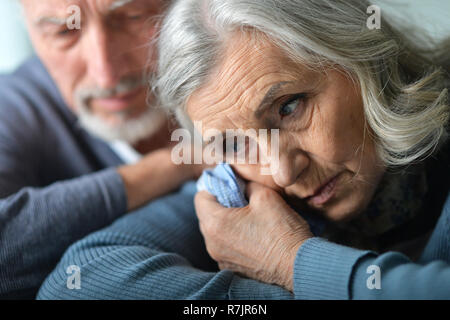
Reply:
x=154, y=176
x=259, y=241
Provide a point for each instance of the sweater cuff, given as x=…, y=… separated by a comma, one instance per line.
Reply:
x=323, y=269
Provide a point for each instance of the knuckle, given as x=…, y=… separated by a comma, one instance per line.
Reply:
x=198, y=199
x=215, y=254
x=224, y=265
x=263, y=196
x=212, y=227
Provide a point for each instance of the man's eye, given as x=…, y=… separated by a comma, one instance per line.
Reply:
x=134, y=16
x=65, y=32
x=290, y=106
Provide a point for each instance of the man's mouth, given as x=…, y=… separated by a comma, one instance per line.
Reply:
x=324, y=193
x=116, y=103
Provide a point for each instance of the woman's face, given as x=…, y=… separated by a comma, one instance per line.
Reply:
x=327, y=160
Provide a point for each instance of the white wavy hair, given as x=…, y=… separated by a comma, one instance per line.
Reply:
x=403, y=84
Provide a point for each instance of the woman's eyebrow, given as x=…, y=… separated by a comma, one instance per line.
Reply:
x=269, y=97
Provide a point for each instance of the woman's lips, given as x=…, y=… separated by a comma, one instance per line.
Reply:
x=325, y=192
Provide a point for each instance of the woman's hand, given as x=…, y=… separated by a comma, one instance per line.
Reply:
x=259, y=241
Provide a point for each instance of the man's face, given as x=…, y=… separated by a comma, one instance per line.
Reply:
x=99, y=68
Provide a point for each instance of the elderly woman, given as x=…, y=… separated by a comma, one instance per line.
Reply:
x=358, y=113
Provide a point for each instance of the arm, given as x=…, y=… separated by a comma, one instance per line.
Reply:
x=352, y=270
x=38, y=224
x=154, y=253
x=353, y=273
x=155, y=175
x=39, y=221
x=324, y=270
x=268, y=241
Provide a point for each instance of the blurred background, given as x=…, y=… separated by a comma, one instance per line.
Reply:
x=15, y=47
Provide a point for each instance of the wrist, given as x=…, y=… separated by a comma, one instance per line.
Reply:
x=153, y=176
x=292, y=247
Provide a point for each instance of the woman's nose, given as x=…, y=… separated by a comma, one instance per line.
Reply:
x=289, y=167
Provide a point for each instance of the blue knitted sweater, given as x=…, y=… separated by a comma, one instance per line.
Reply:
x=158, y=253
x=57, y=182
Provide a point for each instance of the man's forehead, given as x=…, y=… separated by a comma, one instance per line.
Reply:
x=52, y=4
x=44, y=6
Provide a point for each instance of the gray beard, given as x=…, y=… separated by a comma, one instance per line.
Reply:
x=130, y=131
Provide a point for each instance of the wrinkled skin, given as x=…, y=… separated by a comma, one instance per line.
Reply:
x=111, y=45
x=323, y=138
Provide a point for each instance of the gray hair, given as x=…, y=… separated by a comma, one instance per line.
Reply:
x=403, y=85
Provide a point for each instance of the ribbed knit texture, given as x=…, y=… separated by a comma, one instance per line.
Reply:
x=159, y=253
x=324, y=270
x=55, y=182
x=154, y=253
x=48, y=201
x=318, y=258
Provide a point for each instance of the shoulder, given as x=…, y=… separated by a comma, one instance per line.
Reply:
x=26, y=91
x=30, y=78
x=26, y=98
x=438, y=176
x=146, y=242
x=439, y=204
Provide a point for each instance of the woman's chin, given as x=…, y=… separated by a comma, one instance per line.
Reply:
x=342, y=212
x=345, y=208
x=345, y=205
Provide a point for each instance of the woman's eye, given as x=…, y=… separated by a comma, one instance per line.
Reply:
x=289, y=107
x=236, y=145
x=230, y=146
x=134, y=16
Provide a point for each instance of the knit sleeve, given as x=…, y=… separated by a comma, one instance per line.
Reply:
x=154, y=253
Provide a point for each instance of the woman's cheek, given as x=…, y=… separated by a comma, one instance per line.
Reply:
x=253, y=173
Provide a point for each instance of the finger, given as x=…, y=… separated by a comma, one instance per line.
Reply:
x=238, y=270
x=255, y=187
x=206, y=203
x=261, y=192
x=224, y=265
x=252, y=188
x=227, y=265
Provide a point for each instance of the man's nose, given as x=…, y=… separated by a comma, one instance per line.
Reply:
x=103, y=62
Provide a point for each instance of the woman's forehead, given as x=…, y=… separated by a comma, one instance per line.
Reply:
x=240, y=80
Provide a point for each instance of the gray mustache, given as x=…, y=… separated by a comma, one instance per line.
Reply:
x=125, y=85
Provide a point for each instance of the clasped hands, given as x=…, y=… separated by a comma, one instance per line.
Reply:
x=259, y=241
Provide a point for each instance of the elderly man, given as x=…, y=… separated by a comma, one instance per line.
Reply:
x=73, y=124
